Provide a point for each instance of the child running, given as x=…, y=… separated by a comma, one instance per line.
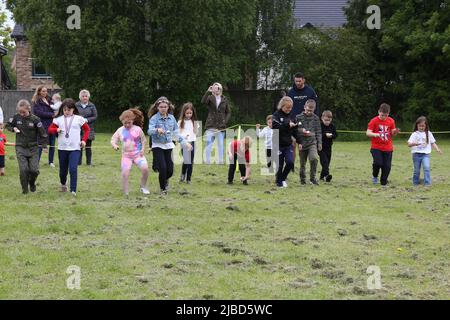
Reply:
x=282, y=141
x=188, y=130
x=68, y=125
x=381, y=129
x=133, y=147
x=267, y=134
x=239, y=151
x=163, y=128
x=420, y=142
x=328, y=135
x=28, y=128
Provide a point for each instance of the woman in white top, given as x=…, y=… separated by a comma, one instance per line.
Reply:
x=188, y=130
x=420, y=142
x=68, y=125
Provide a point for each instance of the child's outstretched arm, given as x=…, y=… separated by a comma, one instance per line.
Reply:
x=436, y=147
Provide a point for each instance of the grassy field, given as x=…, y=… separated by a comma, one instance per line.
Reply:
x=209, y=240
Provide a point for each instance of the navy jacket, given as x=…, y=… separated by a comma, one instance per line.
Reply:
x=300, y=97
x=44, y=112
x=280, y=121
x=328, y=142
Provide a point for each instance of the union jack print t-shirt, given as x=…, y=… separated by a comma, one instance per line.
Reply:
x=384, y=128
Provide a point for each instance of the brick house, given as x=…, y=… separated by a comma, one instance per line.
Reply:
x=30, y=73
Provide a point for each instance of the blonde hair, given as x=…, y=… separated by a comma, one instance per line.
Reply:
x=220, y=87
x=285, y=100
x=247, y=141
x=23, y=104
x=57, y=95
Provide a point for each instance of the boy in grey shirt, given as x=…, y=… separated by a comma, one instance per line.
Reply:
x=311, y=140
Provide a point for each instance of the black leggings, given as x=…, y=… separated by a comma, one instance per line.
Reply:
x=232, y=167
x=164, y=163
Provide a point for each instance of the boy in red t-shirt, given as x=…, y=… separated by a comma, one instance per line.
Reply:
x=381, y=129
x=239, y=151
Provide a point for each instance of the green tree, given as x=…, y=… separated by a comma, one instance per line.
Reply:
x=126, y=50
x=6, y=41
x=412, y=54
x=337, y=64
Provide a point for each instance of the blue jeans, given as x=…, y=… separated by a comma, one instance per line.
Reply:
x=68, y=163
x=421, y=159
x=210, y=137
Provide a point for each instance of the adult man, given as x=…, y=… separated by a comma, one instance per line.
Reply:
x=300, y=93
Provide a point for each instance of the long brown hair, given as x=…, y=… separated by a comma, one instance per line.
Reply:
x=134, y=114
x=188, y=106
x=427, y=128
x=37, y=94
x=154, y=107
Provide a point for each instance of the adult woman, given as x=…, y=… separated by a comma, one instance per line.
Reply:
x=87, y=110
x=41, y=108
x=219, y=113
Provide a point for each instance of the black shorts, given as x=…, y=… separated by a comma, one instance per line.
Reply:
x=2, y=161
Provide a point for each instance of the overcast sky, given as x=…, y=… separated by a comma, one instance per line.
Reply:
x=9, y=22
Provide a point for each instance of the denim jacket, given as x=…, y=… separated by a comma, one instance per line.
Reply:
x=170, y=126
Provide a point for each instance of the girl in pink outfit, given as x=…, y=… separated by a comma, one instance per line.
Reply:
x=133, y=144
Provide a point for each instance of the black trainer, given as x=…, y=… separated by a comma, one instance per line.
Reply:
x=32, y=187
x=328, y=178
x=314, y=182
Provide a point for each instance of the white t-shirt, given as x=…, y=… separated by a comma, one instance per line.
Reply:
x=187, y=132
x=73, y=129
x=266, y=133
x=422, y=139
x=218, y=101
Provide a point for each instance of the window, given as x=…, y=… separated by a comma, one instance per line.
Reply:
x=39, y=70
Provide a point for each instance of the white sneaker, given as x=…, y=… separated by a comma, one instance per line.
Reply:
x=52, y=165
x=74, y=193
x=145, y=191
x=285, y=185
